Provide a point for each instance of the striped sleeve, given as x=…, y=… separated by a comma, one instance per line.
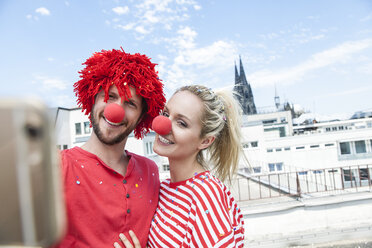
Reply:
x=218, y=220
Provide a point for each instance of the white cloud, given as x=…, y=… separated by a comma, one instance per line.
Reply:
x=340, y=54
x=43, y=11
x=366, y=68
x=49, y=83
x=197, y=7
x=347, y=92
x=141, y=30
x=126, y=27
x=311, y=38
x=192, y=64
x=149, y=15
x=366, y=18
x=121, y=10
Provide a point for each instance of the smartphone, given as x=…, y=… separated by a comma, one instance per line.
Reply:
x=31, y=200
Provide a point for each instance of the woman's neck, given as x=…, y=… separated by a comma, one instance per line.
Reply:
x=184, y=169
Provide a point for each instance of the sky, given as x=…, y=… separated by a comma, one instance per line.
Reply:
x=316, y=54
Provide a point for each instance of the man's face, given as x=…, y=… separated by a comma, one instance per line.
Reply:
x=113, y=134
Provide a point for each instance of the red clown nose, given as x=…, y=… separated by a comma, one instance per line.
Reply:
x=114, y=113
x=162, y=125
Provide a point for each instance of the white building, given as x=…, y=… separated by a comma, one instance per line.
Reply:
x=271, y=143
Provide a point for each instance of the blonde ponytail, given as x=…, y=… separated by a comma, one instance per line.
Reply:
x=221, y=119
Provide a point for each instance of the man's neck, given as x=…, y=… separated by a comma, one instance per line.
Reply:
x=113, y=156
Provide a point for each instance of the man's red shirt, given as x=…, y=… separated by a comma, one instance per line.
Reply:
x=102, y=203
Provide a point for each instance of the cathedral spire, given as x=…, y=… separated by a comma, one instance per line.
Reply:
x=236, y=73
x=243, y=88
x=242, y=73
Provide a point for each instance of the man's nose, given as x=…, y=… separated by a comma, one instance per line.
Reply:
x=114, y=112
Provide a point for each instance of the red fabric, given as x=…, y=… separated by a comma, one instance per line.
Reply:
x=97, y=203
x=116, y=67
x=198, y=212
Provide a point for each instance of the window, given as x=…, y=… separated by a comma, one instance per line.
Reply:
x=345, y=148
x=86, y=127
x=317, y=172
x=165, y=167
x=279, y=166
x=257, y=169
x=360, y=146
x=65, y=147
x=59, y=147
x=334, y=128
x=332, y=171
x=149, y=148
x=278, y=149
x=245, y=145
x=302, y=173
x=341, y=128
x=314, y=146
x=269, y=150
x=347, y=176
x=287, y=148
x=328, y=129
x=300, y=147
x=269, y=121
x=271, y=167
x=329, y=144
x=275, y=167
x=78, y=128
x=281, y=131
x=363, y=174
x=283, y=120
x=254, y=144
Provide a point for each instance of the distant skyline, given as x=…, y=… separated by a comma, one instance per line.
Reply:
x=317, y=54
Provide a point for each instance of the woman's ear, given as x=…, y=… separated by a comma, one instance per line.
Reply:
x=206, y=142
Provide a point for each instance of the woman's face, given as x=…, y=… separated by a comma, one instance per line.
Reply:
x=184, y=109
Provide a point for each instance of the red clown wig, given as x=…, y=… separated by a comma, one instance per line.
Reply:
x=124, y=70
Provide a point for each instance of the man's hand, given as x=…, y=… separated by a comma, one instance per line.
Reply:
x=126, y=242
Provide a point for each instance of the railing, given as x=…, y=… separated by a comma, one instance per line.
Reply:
x=304, y=183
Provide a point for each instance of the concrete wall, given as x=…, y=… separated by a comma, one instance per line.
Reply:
x=287, y=223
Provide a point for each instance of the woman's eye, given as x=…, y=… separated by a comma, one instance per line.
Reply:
x=182, y=123
x=165, y=114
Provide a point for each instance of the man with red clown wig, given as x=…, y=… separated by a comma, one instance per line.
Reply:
x=109, y=190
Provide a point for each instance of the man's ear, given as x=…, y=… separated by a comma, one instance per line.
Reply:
x=206, y=142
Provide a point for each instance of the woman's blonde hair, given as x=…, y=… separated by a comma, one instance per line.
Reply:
x=221, y=118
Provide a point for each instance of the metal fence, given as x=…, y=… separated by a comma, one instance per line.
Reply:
x=304, y=183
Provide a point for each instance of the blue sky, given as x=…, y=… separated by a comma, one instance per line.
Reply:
x=317, y=54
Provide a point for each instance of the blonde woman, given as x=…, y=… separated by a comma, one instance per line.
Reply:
x=195, y=208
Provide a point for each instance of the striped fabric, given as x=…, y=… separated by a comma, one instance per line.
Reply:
x=198, y=212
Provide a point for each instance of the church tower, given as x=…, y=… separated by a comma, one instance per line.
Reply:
x=243, y=88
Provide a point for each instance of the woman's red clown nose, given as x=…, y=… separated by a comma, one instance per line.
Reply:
x=114, y=113
x=162, y=125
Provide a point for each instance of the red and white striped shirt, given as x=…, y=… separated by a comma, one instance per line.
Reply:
x=198, y=212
